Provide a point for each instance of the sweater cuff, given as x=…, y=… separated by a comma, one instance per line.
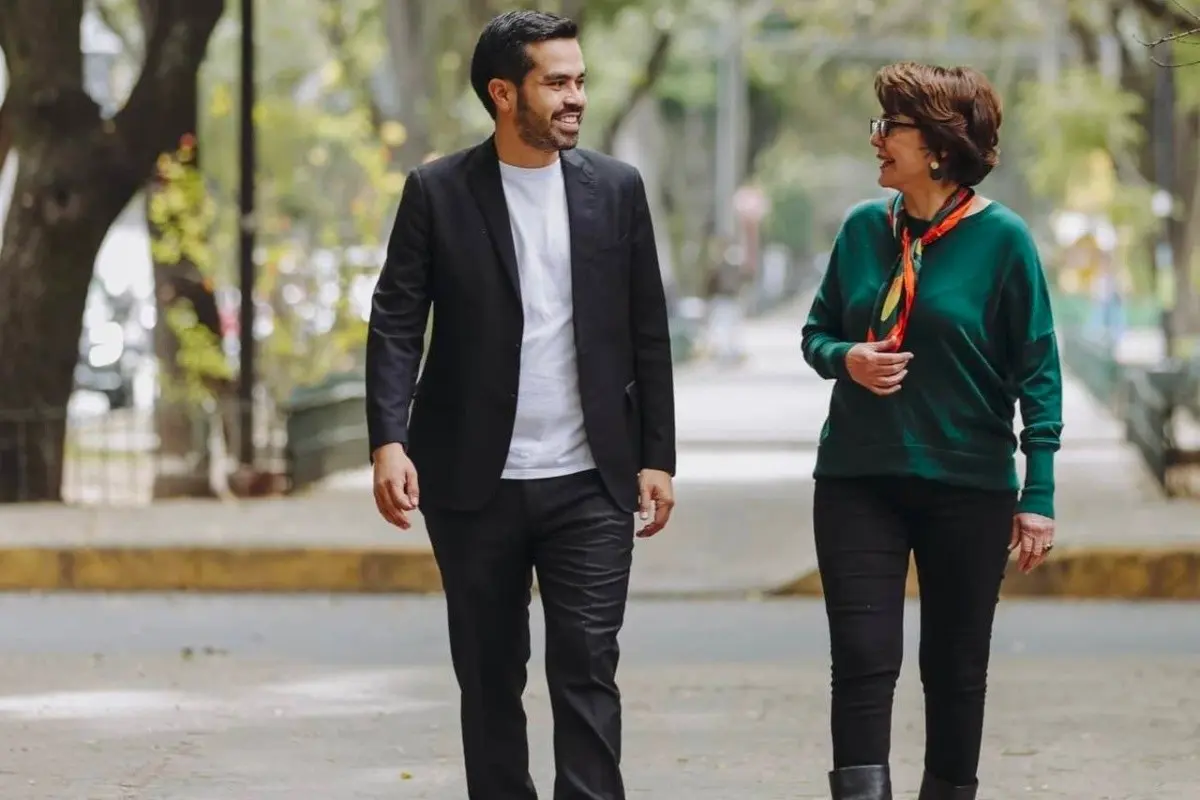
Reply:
x=835, y=358
x=1038, y=494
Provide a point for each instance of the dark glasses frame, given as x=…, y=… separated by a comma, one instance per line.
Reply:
x=884, y=125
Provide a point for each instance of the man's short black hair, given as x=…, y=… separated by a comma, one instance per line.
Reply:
x=501, y=49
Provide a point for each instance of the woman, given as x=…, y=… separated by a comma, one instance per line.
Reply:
x=934, y=319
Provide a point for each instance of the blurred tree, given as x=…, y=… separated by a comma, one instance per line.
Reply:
x=429, y=46
x=1180, y=25
x=196, y=383
x=328, y=180
x=77, y=170
x=1135, y=97
x=195, y=378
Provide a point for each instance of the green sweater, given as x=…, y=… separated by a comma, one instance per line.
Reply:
x=982, y=338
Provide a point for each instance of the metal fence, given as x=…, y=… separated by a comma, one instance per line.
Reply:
x=1095, y=364
x=129, y=456
x=1159, y=405
x=1148, y=415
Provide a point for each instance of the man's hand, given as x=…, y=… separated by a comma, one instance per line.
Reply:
x=877, y=366
x=656, y=498
x=1034, y=535
x=396, y=490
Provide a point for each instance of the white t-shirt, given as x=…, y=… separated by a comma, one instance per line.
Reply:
x=548, y=437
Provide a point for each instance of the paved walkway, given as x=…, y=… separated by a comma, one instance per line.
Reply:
x=215, y=727
x=746, y=438
x=258, y=698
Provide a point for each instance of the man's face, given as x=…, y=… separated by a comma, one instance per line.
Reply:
x=551, y=101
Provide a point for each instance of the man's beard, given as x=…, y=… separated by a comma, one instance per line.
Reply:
x=541, y=134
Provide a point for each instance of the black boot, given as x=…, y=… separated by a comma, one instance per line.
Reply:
x=933, y=788
x=861, y=783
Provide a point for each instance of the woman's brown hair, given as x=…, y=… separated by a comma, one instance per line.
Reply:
x=955, y=108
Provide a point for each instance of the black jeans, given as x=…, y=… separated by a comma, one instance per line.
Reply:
x=865, y=530
x=581, y=544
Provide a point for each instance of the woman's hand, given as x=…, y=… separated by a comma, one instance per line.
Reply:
x=1032, y=538
x=877, y=366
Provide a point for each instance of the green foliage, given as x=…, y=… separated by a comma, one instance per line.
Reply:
x=1073, y=117
x=182, y=210
x=199, y=359
x=181, y=213
x=1083, y=124
x=790, y=222
x=326, y=185
x=629, y=28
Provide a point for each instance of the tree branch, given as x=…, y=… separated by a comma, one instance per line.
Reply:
x=575, y=10
x=1176, y=15
x=339, y=38
x=45, y=72
x=156, y=114
x=1086, y=39
x=118, y=27
x=656, y=64
x=1172, y=12
x=27, y=30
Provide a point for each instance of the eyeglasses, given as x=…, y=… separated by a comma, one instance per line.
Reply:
x=883, y=126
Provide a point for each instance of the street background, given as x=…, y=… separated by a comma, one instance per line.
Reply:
x=199, y=599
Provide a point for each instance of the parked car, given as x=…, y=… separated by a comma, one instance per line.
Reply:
x=112, y=345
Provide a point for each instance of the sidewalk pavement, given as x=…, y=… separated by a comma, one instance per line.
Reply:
x=747, y=438
x=211, y=727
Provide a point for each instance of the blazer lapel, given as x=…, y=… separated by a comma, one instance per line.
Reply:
x=488, y=191
x=580, y=182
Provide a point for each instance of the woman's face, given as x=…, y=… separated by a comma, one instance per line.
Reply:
x=903, y=157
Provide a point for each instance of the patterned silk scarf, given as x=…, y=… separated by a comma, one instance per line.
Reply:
x=895, y=302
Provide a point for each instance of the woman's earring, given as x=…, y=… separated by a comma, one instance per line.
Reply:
x=935, y=171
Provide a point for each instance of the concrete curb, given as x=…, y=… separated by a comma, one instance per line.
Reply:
x=1082, y=573
x=218, y=569
x=1161, y=573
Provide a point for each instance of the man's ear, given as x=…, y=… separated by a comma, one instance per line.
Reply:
x=503, y=94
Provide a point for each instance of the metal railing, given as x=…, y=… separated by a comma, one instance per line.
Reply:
x=1154, y=402
x=1149, y=410
x=1095, y=363
x=127, y=456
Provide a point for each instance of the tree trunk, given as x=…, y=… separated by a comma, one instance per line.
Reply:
x=1184, y=230
x=60, y=213
x=409, y=30
x=76, y=172
x=1181, y=227
x=652, y=72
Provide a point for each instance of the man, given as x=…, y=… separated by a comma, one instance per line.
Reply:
x=544, y=416
x=726, y=281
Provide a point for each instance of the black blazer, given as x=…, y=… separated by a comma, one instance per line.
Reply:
x=451, y=247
